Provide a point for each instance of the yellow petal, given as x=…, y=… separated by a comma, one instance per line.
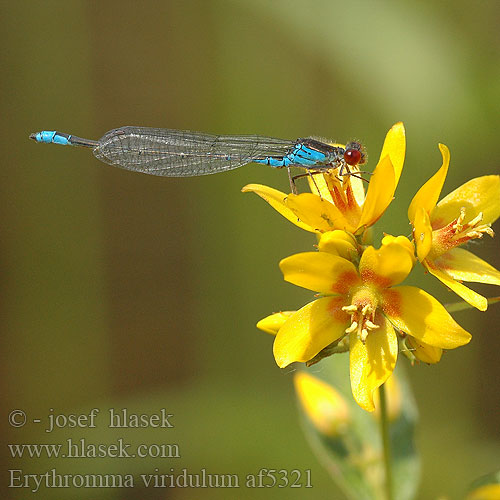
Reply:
x=422, y=232
x=424, y=352
x=387, y=266
x=481, y=194
x=420, y=315
x=485, y=492
x=322, y=403
x=319, y=186
x=355, y=178
x=463, y=265
x=372, y=362
x=395, y=147
x=276, y=199
x=320, y=272
x=380, y=193
x=400, y=240
x=316, y=212
x=309, y=330
x=470, y=296
x=271, y=324
x=339, y=243
x=428, y=195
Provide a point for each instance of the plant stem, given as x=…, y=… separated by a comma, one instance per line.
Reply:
x=386, y=443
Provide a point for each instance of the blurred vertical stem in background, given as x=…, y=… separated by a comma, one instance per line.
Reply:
x=365, y=460
x=386, y=443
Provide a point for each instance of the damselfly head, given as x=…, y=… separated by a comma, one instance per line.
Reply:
x=354, y=154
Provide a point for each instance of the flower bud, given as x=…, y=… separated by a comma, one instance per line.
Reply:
x=324, y=406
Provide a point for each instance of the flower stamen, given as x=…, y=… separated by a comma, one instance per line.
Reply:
x=473, y=229
x=352, y=328
x=360, y=320
x=457, y=233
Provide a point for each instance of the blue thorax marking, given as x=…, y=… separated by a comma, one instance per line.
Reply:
x=306, y=156
x=301, y=155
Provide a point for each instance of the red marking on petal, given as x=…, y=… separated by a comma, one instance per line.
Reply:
x=437, y=224
x=351, y=199
x=345, y=282
x=338, y=198
x=443, y=264
x=369, y=276
x=392, y=305
x=335, y=309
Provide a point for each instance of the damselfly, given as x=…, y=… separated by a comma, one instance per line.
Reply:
x=178, y=153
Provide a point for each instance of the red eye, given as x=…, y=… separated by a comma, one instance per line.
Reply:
x=352, y=156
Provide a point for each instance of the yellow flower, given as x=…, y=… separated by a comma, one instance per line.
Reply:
x=323, y=404
x=340, y=203
x=364, y=304
x=439, y=228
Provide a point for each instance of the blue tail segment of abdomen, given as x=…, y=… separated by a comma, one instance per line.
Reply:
x=51, y=136
x=301, y=156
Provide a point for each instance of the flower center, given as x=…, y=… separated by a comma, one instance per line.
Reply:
x=456, y=233
x=342, y=195
x=362, y=311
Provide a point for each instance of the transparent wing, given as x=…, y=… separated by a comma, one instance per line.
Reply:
x=178, y=153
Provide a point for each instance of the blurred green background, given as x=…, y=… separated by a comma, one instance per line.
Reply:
x=125, y=290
